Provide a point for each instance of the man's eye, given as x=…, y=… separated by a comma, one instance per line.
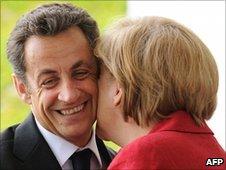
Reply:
x=50, y=83
x=80, y=75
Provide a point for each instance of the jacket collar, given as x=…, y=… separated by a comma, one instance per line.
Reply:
x=31, y=148
x=181, y=121
x=106, y=154
x=66, y=146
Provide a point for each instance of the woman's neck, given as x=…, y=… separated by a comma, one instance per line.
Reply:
x=131, y=131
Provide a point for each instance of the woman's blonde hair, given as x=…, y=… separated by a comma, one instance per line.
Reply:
x=162, y=66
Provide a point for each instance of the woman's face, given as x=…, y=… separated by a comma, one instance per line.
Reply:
x=107, y=112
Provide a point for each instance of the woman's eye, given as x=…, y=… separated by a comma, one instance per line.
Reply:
x=50, y=83
x=80, y=75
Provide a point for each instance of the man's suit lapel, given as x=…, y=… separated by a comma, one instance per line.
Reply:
x=31, y=148
x=106, y=154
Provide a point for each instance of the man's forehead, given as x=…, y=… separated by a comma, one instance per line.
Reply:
x=71, y=54
x=72, y=36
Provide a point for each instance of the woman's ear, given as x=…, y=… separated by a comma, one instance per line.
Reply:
x=21, y=89
x=118, y=95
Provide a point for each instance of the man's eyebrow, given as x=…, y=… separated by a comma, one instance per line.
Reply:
x=80, y=63
x=77, y=64
x=46, y=72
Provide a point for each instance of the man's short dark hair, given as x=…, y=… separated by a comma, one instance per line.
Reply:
x=47, y=20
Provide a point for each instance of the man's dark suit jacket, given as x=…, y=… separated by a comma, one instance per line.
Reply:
x=24, y=148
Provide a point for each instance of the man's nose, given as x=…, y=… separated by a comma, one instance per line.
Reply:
x=68, y=92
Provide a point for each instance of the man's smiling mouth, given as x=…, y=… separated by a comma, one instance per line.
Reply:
x=73, y=110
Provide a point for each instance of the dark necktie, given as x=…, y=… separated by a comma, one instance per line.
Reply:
x=81, y=160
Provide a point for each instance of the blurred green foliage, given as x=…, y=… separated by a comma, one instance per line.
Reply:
x=13, y=110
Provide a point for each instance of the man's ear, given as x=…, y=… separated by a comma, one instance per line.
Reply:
x=118, y=95
x=21, y=89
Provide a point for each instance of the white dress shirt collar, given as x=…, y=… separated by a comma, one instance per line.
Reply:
x=62, y=149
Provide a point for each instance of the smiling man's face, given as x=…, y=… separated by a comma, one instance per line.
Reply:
x=62, y=84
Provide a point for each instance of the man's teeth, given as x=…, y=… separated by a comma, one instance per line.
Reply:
x=72, y=111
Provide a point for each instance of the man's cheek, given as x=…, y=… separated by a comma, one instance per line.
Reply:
x=47, y=98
